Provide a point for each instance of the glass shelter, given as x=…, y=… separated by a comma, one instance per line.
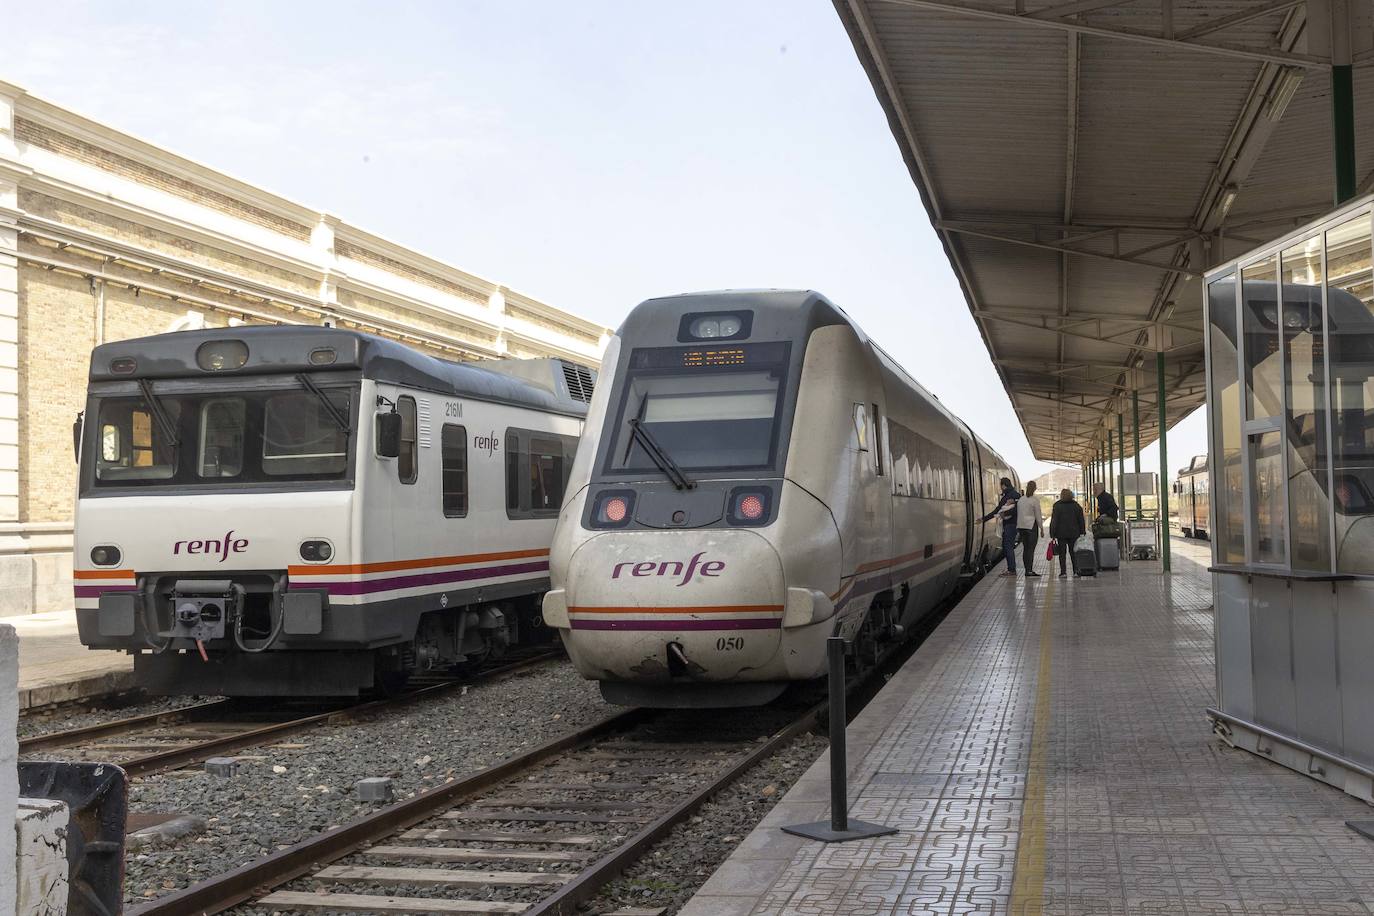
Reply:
x=1290, y=369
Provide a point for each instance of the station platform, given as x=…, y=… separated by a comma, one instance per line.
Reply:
x=55, y=668
x=1046, y=752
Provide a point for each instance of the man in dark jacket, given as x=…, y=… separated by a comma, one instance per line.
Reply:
x=1067, y=525
x=1006, y=510
x=1105, y=504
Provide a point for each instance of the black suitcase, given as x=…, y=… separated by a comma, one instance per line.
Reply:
x=1085, y=556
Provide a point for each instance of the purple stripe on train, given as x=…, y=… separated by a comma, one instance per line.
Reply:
x=748, y=623
x=95, y=591
x=370, y=586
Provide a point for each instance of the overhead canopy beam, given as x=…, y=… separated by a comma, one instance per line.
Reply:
x=1064, y=249
x=1225, y=22
x=1289, y=58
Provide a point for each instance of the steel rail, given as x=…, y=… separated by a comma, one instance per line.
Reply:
x=177, y=757
x=252, y=880
x=51, y=740
x=589, y=882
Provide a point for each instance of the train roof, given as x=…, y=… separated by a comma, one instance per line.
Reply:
x=281, y=349
x=778, y=314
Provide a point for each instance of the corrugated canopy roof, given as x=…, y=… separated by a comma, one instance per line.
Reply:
x=1084, y=162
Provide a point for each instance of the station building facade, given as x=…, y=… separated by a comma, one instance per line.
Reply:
x=105, y=237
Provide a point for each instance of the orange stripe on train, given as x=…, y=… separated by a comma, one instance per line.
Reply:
x=357, y=569
x=103, y=574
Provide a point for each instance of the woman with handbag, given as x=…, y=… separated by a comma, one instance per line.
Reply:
x=1067, y=525
x=1030, y=524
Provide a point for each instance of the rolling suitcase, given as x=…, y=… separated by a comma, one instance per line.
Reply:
x=1108, y=553
x=1085, y=556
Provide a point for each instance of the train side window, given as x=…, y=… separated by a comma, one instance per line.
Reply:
x=877, y=441
x=407, y=464
x=861, y=427
x=453, y=448
x=546, y=476
x=512, y=474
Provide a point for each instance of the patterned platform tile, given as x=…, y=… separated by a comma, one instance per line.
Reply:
x=1045, y=754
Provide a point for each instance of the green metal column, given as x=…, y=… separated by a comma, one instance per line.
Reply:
x=1163, y=468
x=1135, y=431
x=1343, y=130
x=1121, y=458
x=1112, y=487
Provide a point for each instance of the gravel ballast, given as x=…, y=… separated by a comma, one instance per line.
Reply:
x=285, y=793
x=679, y=864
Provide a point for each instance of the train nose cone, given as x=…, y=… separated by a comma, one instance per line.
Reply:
x=656, y=606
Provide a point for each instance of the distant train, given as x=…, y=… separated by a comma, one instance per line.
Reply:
x=310, y=511
x=756, y=476
x=1194, y=505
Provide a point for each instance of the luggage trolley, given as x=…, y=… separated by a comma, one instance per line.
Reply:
x=1142, y=540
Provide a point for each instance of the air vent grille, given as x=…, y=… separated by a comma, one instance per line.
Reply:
x=579, y=379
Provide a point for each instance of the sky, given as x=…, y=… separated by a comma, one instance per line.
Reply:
x=591, y=154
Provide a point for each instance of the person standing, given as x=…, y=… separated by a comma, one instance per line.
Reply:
x=1030, y=524
x=1006, y=511
x=1067, y=525
x=1106, y=505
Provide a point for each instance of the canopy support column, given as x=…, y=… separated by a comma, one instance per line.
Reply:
x=1163, y=468
x=1121, y=458
x=1135, y=432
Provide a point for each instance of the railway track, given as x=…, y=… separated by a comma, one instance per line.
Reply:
x=158, y=742
x=539, y=833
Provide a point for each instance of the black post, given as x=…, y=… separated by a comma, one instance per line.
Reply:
x=839, y=828
x=839, y=718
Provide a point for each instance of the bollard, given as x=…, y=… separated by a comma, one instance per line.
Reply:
x=839, y=828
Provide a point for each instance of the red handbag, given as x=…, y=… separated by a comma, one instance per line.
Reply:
x=1049, y=550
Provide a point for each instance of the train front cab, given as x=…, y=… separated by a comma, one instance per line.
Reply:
x=710, y=590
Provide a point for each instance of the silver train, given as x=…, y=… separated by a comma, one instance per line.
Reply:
x=310, y=511
x=1193, y=495
x=757, y=475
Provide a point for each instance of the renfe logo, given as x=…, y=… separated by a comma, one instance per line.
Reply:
x=488, y=443
x=222, y=546
x=710, y=569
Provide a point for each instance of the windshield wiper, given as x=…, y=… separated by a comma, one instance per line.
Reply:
x=159, y=410
x=658, y=456
x=330, y=407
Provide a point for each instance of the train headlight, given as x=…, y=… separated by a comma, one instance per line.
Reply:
x=106, y=555
x=715, y=326
x=222, y=355
x=317, y=551
x=750, y=505
x=613, y=509
x=123, y=365
x=323, y=356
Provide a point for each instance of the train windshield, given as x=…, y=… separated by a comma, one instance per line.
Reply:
x=704, y=417
x=223, y=437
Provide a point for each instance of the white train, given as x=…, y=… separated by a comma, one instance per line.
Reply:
x=756, y=476
x=310, y=511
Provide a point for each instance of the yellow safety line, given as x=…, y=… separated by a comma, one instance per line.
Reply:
x=1028, y=880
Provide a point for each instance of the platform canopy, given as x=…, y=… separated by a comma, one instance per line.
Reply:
x=1084, y=162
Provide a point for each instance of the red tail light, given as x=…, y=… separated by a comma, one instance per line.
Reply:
x=750, y=506
x=614, y=509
